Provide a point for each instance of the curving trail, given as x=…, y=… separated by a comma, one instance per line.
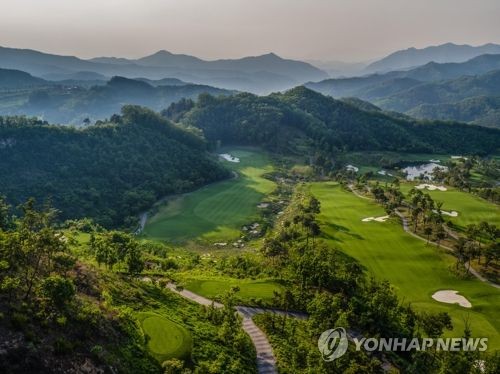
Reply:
x=266, y=362
x=453, y=235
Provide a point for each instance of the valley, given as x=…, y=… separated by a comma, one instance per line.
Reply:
x=243, y=212
x=217, y=212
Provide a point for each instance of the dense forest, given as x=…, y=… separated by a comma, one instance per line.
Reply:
x=278, y=120
x=109, y=171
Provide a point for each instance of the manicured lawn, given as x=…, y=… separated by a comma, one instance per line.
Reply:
x=216, y=212
x=470, y=208
x=212, y=287
x=166, y=339
x=413, y=268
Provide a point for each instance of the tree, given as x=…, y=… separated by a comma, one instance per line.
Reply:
x=58, y=290
x=428, y=232
x=440, y=234
x=134, y=260
x=5, y=219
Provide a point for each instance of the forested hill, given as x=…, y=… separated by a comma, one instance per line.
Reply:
x=278, y=120
x=72, y=105
x=109, y=171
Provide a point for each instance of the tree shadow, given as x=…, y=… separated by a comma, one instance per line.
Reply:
x=342, y=229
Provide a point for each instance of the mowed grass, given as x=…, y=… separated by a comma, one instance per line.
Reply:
x=471, y=209
x=217, y=211
x=166, y=339
x=215, y=287
x=415, y=269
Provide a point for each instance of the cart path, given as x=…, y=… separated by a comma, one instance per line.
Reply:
x=450, y=232
x=266, y=362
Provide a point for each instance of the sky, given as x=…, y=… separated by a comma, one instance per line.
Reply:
x=343, y=30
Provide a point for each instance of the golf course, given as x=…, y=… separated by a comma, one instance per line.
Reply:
x=165, y=338
x=215, y=212
x=471, y=209
x=415, y=269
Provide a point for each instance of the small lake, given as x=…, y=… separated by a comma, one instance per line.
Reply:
x=416, y=171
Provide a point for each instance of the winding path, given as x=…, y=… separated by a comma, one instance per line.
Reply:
x=455, y=236
x=266, y=362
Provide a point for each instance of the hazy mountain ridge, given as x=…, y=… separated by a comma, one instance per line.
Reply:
x=255, y=74
x=10, y=78
x=357, y=86
x=422, y=90
x=479, y=110
x=444, y=53
x=58, y=103
x=448, y=91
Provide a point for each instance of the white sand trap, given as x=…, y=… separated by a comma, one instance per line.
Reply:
x=263, y=205
x=352, y=168
x=458, y=157
x=435, y=161
x=446, y=213
x=451, y=297
x=228, y=157
x=431, y=187
x=383, y=172
x=378, y=219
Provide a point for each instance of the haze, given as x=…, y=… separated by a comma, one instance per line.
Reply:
x=348, y=30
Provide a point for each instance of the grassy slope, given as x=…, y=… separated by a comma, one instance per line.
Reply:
x=415, y=269
x=470, y=208
x=212, y=287
x=215, y=212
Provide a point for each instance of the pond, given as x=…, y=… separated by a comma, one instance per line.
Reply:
x=415, y=171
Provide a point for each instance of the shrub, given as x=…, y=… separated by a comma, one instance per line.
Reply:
x=58, y=290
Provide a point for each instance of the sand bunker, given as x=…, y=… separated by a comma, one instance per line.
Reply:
x=228, y=157
x=378, y=219
x=431, y=187
x=352, y=168
x=263, y=205
x=451, y=297
x=458, y=157
x=446, y=213
x=435, y=161
x=383, y=172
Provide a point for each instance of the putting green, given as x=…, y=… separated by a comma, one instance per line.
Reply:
x=415, y=269
x=216, y=212
x=470, y=208
x=249, y=289
x=166, y=339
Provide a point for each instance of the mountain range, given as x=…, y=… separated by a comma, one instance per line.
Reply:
x=258, y=74
x=465, y=90
x=413, y=57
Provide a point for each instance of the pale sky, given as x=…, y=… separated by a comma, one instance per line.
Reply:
x=346, y=30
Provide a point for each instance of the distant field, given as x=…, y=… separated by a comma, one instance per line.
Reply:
x=470, y=208
x=415, y=269
x=215, y=212
x=166, y=339
x=212, y=287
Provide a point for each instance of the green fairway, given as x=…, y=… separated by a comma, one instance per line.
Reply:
x=166, y=339
x=415, y=269
x=217, y=286
x=470, y=208
x=216, y=212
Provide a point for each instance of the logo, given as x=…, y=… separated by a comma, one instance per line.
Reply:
x=333, y=343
